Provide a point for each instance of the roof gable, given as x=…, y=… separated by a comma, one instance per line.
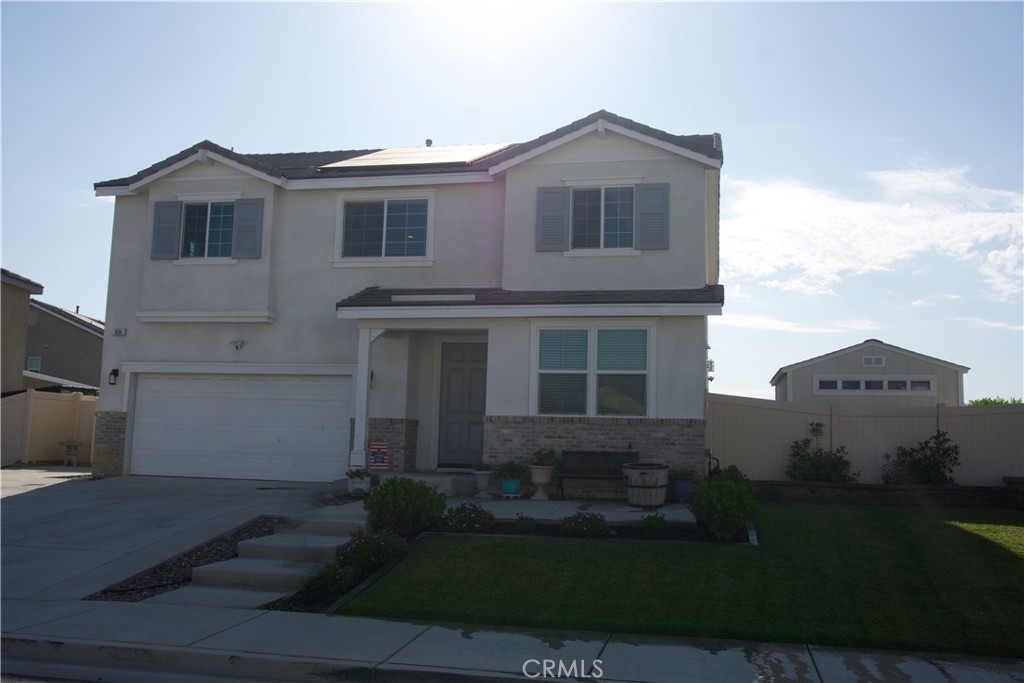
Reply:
x=20, y=281
x=83, y=321
x=863, y=346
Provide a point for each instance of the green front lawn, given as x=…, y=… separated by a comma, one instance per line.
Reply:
x=943, y=579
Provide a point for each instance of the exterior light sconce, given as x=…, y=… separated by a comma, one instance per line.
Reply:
x=237, y=344
x=112, y=377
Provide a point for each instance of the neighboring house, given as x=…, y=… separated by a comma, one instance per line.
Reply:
x=63, y=347
x=273, y=314
x=14, y=306
x=872, y=374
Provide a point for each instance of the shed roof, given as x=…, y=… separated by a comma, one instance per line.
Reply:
x=781, y=372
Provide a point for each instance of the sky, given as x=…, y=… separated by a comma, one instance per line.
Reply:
x=872, y=184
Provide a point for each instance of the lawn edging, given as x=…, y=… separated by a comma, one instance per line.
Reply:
x=890, y=494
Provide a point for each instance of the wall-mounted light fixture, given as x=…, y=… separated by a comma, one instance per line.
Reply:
x=112, y=377
x=237, y=344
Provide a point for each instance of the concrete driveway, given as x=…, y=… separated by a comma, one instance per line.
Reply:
x=65, y=538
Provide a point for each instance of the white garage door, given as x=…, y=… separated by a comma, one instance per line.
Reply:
x=245, y=427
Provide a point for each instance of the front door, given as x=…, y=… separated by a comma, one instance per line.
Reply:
x=463, y=403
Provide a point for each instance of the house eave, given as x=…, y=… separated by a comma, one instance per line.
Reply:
x=437, y=312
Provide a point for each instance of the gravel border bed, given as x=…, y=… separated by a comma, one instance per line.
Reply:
x=177, y=572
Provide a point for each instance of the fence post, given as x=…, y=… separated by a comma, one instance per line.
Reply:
x=26, y=441
x=940, y=418
x=833, y=426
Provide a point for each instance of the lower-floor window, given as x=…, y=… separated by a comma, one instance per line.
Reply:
x=590, y=371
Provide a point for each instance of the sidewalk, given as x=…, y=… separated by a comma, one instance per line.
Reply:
x=48, y=630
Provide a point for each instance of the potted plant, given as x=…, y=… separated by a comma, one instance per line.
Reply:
x=542, y=471
x=482, y=473
x=358, y=481
x=681, y=481
x=511, y=474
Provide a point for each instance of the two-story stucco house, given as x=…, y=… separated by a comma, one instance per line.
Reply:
x=270, y=315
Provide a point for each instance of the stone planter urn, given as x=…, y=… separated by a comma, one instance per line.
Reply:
x=541, y=476
x=483, y=483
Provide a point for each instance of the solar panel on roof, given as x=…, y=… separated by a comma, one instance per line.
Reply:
x=405, y=156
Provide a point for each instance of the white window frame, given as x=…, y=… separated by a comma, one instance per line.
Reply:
x=601, y=248
x=340, y=261
x=207, y=198
x=884, y=379
x=873, y=361
x=592, y=372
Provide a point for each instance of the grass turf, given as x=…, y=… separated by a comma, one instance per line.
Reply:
x=942, y=579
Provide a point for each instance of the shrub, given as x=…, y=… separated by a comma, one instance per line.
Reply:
x=369, y=552
x=525, y=524
x=404, y=506
x=724, y=502
x=511, y=469
x=327, y=586
x=584, y=525
x=467, y=518
x=653, y=526
x=818, y=464
x=930, y=462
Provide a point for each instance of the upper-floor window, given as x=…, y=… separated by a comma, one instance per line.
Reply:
x=873, y=361
x=200, y=226
x=385, y=228
x=208, y=229
x=832, y=384
x=602, y=218
x=613, y=216
x=34, y=364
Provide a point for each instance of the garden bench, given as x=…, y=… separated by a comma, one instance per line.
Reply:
x=592, y=465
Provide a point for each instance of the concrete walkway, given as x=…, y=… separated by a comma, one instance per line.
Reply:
x=65, y=541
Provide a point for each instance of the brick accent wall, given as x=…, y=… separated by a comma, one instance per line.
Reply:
x=680, y=443
x=400, y=433
x=108, y=443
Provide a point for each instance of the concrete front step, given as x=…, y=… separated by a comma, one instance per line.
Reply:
x=210, y=596
x=256, y=574
x=317, y=526
x=294, y=547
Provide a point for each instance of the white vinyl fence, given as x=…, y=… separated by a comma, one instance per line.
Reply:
x=755, y=435
x=36, y=422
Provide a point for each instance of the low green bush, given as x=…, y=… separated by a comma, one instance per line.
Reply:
x=467, y=518
x=724, y=502
x=929, y=462
x=404, y=506
x=368, y=552
x=525, y=524
x=654, y=526
x=807, y=463
x=584, y=525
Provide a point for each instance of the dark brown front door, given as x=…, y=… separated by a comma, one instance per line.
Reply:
x=463, y=403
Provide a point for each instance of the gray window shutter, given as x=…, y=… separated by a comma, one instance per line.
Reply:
x=166, y=230
x=552, y=219
x=248, y=233
x=652, y=216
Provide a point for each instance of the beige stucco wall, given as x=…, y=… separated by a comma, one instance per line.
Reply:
x=13, y=322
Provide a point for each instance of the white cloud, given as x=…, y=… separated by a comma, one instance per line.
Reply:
x=788, y=235
x=993, y=323
x=859, y=325
x=764, y=322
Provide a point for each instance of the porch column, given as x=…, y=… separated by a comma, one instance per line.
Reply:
x=357, y=457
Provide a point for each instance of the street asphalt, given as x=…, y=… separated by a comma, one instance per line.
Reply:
x=66, y=538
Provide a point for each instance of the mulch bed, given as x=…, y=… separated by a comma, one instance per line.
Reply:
x=177, y=572
x=675, y=532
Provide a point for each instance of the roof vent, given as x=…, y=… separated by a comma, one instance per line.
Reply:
x=429, y=142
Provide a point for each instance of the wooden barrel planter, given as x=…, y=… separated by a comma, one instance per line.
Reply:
x=646, y=483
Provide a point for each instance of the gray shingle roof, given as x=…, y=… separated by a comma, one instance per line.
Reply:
x=306, y=165
x=486, y=296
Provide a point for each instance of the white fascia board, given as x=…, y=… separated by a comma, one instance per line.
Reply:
x=206, y=316
x=601, y=126
x=201, y=156
x=40, y=377
x=388, y=181
x=543, y=311
x=115, y=191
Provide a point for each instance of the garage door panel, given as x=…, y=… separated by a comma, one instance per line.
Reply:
x=281, y=428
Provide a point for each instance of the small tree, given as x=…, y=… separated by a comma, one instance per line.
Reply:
x=724, y=502
x=818, y=464
x=929, y=462
x=996, y=401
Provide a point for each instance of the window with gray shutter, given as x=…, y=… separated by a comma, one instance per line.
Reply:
x=248, y=237
x=166, y=230
x=552, y=219
x=652, y=216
